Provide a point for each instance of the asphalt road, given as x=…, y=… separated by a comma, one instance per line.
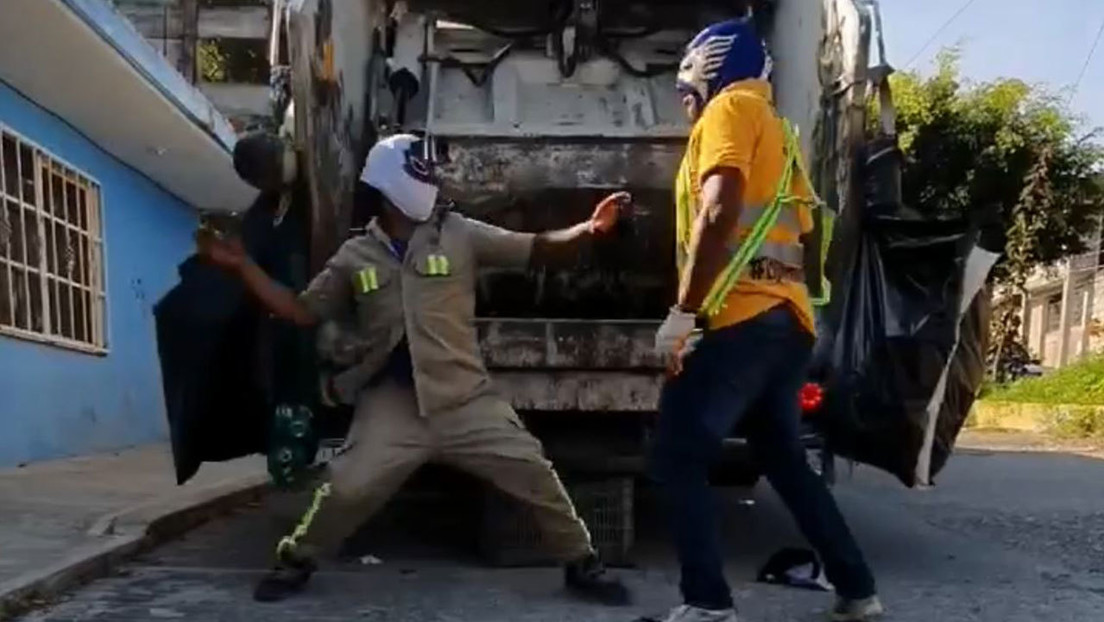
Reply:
x=1004, y=537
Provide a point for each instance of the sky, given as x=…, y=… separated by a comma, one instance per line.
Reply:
x=1039, y=41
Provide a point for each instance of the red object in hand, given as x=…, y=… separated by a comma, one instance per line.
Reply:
x=811, y=397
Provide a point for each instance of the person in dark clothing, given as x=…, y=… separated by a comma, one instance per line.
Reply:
x=743, y=209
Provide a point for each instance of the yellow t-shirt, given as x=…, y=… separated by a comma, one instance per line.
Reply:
x=740, y=130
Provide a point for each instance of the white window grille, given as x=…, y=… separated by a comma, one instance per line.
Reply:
x=51, y=250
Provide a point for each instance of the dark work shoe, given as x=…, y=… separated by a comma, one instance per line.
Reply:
x=857, y=610
x=288, y=578
x=587, y=578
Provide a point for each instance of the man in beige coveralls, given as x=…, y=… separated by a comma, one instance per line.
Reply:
x=406, y=290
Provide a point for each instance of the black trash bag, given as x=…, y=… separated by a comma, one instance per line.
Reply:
x=902, y=356
x=206, y=336
x=899, y=318
x=225, y=365
x=964, y=378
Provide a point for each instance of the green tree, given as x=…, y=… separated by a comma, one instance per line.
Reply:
x=976, y=146
x=1009, y=148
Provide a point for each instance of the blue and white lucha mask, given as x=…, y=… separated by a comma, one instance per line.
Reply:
x=721, y=54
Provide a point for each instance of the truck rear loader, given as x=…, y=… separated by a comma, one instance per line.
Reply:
x=531, y=111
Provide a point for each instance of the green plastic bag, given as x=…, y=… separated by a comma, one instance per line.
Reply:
x=293, y=444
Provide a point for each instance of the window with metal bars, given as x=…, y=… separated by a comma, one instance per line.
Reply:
x=51, y=250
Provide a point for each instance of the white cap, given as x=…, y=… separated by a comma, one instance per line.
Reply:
x=396, y=166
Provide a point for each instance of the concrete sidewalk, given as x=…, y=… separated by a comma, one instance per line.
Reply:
x=67, y=521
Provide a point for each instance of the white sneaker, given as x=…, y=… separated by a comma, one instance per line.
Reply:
x=847, y=610
x=686, y=613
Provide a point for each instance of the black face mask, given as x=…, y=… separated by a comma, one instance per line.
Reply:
x=259, y=160
x=367, y=204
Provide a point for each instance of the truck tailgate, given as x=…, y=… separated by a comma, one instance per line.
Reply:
x=574, y=365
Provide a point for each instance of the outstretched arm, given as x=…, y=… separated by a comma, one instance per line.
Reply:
x=557, y=248
x=277, y=299
x=227, y=253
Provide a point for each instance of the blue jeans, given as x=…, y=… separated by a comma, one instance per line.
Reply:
x=748, y=374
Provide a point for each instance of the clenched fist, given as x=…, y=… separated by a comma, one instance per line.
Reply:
x=220, y=249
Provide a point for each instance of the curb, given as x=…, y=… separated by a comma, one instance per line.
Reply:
x=38, y=587
x=180, y=512
x=1071, y=421
x=120, y=536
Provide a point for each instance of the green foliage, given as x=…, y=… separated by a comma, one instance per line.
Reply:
x=233, y=60
x=1079, y=383
x=1002, y=150
x=212, y=62
x=974, y=147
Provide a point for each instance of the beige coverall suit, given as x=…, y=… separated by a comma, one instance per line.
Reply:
x=451, y=415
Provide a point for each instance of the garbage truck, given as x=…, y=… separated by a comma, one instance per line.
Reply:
x=531, y=110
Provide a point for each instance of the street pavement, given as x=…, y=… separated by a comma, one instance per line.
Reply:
x=1003, y=537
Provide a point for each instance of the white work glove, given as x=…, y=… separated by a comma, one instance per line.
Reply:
x=676, y=337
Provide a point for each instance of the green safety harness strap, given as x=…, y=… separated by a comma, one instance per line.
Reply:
x=753, y=242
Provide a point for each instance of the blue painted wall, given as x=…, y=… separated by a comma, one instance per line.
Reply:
x=55, y=402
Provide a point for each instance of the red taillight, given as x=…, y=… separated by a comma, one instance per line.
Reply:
x=811, y=397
